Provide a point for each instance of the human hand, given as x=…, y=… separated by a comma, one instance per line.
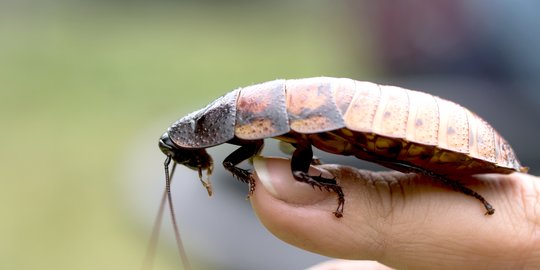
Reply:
x=404, y=221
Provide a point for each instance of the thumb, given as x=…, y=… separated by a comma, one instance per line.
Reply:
x=401, y=220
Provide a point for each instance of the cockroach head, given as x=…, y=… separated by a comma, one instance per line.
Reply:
x=197, y=159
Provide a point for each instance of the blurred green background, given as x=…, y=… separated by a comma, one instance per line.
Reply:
x=80, y=79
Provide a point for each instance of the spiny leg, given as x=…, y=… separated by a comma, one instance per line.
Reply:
x=301, y=159
x=246, y=151
x=455, y=185
x=288, y=148
x=465, y=190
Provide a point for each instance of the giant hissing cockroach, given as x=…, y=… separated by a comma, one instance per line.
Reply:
x=401, y=129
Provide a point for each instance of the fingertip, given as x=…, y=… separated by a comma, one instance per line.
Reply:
x=293, y=211
x=262, y=173
x=276, y=178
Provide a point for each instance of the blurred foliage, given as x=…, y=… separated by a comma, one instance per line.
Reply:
x=77, y=80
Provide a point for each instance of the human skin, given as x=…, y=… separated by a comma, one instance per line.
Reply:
x=404, y=221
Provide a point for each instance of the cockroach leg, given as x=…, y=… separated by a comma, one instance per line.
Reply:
x=289, y=148
x=453, y=184
x=301, y=159
x=245, y=151
x=207, y=184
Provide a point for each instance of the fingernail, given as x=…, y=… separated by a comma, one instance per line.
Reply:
x=276, y=177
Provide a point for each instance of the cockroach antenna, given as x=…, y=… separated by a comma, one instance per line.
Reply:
x=151, y=250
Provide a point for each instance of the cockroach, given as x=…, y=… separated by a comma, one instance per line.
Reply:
x=405, y=130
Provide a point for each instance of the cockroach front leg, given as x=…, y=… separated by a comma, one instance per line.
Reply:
x=246, y=151
x=301, y=159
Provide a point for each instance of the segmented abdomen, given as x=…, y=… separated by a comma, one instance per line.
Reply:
x=374, y=122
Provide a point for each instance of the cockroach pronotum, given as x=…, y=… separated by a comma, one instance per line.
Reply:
x=401, y=129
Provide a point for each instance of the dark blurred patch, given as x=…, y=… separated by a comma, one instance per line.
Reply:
x=480, y=54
